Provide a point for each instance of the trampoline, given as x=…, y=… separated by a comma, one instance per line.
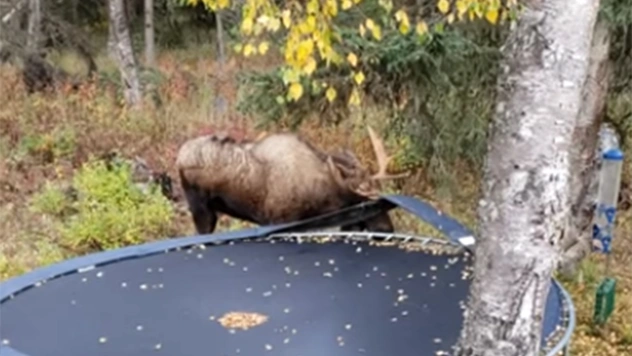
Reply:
x=294, y=289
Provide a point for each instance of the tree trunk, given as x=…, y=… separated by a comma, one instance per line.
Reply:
x=124, y=52
x=112, y=51
x=74, y=12
x=150, y=43
x=220, y=37
x=585, y=152
x=525, y=204
x=34, y=24
x=221, y=106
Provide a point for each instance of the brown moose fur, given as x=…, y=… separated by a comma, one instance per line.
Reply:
x=279, y=179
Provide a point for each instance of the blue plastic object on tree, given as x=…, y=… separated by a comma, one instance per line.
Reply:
x=609, y=184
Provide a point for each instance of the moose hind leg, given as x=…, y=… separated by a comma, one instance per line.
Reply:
x=204, y=218
x=380, y=223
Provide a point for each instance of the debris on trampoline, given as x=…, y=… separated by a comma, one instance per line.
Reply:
x=242, y=320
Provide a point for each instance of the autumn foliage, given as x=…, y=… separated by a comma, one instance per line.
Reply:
x=312, y=39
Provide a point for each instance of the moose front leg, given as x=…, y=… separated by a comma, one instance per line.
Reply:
x=361, y=226
x=379, y=223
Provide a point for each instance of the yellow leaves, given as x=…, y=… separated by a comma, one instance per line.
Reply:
x=247, y=25
x=354, y=98
x=386, y=5
x=311, y=23
x=310, y=66
x=443, y=6
x=362, y=30
x=352, y=59
x=404, y=22
x=295, y=91
x=286, y=18
x=461, y=7
x=308, y=26
x=492, y=14
x=312, y=7
x=263, y=47
x=274, y=25
x=490, y=10
x=375, y=29
x=358, y=77
x=478, y=9
x=331, y=94
x=249, y=49
x=304, y=51
x=346, y=4
x=421, y=28
x=331, y=7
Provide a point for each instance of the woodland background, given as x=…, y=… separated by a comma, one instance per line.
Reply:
x=431, y=102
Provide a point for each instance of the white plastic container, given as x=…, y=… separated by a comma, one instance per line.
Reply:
x=609, y=185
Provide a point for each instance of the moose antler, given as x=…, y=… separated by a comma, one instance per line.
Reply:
x=261, y=136
x=382, y=158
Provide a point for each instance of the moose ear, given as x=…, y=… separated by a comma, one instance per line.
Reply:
x=351, y=157
x=337, y=171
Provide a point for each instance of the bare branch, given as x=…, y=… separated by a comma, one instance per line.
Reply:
x=14, y=10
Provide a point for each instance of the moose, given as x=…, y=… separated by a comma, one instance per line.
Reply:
x=276, y=179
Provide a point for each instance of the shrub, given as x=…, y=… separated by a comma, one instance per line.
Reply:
x=108, y=209
x=51, y=201
x=50, y=146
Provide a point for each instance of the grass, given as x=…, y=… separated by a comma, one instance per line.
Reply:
x=45, y=138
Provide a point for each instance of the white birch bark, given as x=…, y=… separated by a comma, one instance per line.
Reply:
x=34, y=24
x=124, y=52
x=577, y=244
x=112, y=51
x=150, y=42
x=221, y=105
x=525, y=204
x=220, y=37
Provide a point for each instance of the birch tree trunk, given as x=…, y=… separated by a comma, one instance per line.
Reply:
x=150, y=42
x=124, y=52
x=112, y=51
x=220, y=37
x=34, y=24
x=525, y=204
x=221, y=106
x=585, y=152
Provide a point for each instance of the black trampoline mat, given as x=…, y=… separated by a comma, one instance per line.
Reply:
x=337, y=298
